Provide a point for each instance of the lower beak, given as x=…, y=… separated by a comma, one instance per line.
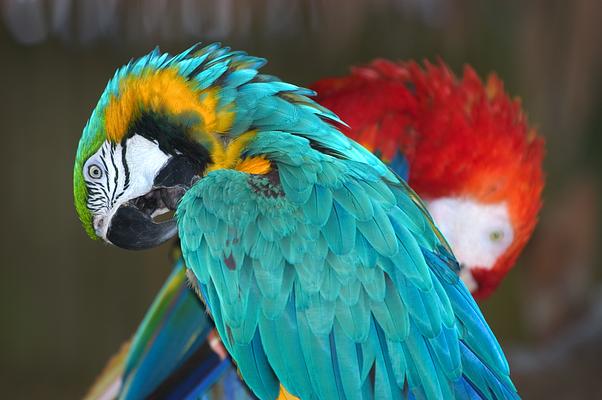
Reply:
x=132, y=226
x=468, y=279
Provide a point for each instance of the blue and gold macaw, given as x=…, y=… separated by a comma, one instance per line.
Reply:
x=321, y=269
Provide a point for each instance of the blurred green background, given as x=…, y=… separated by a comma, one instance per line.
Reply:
x=67, y=303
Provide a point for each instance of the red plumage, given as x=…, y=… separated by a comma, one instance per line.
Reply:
x=461, y=138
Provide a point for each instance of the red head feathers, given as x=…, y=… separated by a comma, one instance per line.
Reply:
x=471, y=154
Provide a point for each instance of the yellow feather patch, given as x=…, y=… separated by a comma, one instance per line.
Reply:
x=165, y=91
x=285, y=395
x=230, y=157
x=254, y=165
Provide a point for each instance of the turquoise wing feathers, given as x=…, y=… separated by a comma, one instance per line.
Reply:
x=327, y=275
x=170, y=356
x=173, y=331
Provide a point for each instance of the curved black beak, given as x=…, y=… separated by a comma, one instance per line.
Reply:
x=132, y=226
x=133, y=229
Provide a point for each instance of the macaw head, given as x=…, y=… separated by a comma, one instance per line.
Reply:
x=156, y=129
x=472, y=156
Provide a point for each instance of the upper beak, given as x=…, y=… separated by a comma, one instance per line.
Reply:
x=132, y=229
x=132, y=226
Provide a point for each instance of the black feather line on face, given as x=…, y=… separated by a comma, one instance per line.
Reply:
x=116, y=177
x=173, y=138
x=125, y=166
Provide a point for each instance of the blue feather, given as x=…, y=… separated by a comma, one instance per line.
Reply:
x=339, y=230
x=347, y=363
x=293, y=366
x=354, y=200
x=254, y=366
x=209, y=76
x=321, y=201
x=392, y=315
x=318, y=358
x=379, y=233
x=399, y=164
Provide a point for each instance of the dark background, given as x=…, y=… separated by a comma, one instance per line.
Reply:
x=67, y=302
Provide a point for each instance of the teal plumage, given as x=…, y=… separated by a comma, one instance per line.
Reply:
x=346, y=273
x=324, y=274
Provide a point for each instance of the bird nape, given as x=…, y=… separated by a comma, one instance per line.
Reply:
x=323, y=272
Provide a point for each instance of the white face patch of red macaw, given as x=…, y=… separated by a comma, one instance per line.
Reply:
x=477, y=233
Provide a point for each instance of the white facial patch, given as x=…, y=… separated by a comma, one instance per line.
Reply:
x=477, y=233
x=116, y=174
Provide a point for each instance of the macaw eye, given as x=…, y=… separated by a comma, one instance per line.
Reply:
x=94, y=171
x=496, y=236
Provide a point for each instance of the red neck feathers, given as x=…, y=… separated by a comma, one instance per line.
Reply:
x=461, y=137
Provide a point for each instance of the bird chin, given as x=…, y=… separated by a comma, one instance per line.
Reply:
x=148, y=221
